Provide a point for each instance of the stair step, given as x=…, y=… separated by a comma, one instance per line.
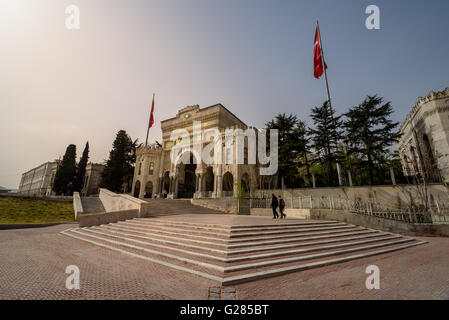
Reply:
x=231, y=255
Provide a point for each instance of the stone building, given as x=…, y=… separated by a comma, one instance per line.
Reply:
x=424, y=144
x=92, y=179
x=157, y=175
x=38, y=181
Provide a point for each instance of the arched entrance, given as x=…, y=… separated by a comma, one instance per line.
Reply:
x=228, y=184
x=209, y=180
x=245, y=182
x=136, y=189
x=187, y=178
x=165, y=184
x=149, y=190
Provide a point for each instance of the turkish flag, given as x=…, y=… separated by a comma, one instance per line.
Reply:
x=151, y=115
x=317, y=60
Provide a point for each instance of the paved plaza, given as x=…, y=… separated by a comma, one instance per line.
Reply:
x=33, y=264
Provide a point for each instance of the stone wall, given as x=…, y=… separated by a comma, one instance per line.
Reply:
x=95, y=219
x=77, y=205
x=411, y=229
x=228, y=205
x=392, y=196
x=117, y=202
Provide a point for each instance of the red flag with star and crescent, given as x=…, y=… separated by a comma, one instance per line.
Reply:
x=317, y=59
x=151, y=115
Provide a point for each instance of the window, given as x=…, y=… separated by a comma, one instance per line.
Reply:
x=150, y=172
x=140, y=169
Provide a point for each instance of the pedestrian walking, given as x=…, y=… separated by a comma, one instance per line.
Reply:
x=274, y=205
x=282, y=207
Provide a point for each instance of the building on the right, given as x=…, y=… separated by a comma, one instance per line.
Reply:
x=424, y=142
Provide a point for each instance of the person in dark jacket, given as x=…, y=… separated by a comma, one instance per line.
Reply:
x=274, y=205
x=282, y=207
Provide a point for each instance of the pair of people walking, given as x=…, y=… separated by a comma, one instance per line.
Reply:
x=275, y=203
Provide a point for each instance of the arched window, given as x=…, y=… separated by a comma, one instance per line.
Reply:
x=415, y=162
x=429, y=152
x=151, y=170
x=407, y=168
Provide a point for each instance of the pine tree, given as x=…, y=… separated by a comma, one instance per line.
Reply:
x=81, y=170
x=291, y=145
x=325, y=137
x=120, y=165
x=66, y=171
x=370, y=132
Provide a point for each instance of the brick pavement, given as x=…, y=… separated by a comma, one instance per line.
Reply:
x=33, y=262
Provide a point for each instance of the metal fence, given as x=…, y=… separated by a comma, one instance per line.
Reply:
x=438, y=213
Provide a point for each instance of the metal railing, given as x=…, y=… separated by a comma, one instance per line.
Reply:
x=438, y=213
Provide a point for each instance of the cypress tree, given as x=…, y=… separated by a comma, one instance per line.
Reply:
x=66, y=171
x=81, y=170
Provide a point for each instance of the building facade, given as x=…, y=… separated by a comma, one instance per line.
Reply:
x=156, y=174
x=92, y=179
x=38, y=181
x=424, y=143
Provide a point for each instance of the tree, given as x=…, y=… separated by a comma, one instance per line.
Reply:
x=291, y=146
x=66, y=171
x=370, y=132
x=120, y=165
x=325, y=137
x=81, y=170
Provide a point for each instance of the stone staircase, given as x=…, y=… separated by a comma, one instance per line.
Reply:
x=169, y=207
x=235, y=253
x=92, y=205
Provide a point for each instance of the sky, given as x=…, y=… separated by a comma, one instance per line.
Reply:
x=61, y=86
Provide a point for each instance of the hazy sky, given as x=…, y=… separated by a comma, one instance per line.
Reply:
x=60, y=86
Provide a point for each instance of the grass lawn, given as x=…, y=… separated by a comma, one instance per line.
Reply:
x=23, y=210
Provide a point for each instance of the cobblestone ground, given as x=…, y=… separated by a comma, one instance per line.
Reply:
x=420, y=272
x=33, y=263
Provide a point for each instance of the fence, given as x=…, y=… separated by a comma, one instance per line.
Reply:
x=438, y=213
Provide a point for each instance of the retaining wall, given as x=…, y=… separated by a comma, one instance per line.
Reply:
x=411, y=229
x=95, y=219
x=118, y=202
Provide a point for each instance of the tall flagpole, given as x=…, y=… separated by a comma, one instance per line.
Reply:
x=340, y=181
x=323, y=64
x=149, y=119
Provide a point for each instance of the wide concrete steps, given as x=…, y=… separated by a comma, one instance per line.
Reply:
x=232, y=254
x=168, y=207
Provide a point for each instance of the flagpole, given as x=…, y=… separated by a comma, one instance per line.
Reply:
x=324, y=68
x=340, y=181
x=148, y=127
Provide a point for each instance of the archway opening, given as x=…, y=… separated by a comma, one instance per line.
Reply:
x=165, y=184
x=209, y=180
x=228, y=184
x=187, y=177
x=149, y=190
x=137, y=189
x=245, y=182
